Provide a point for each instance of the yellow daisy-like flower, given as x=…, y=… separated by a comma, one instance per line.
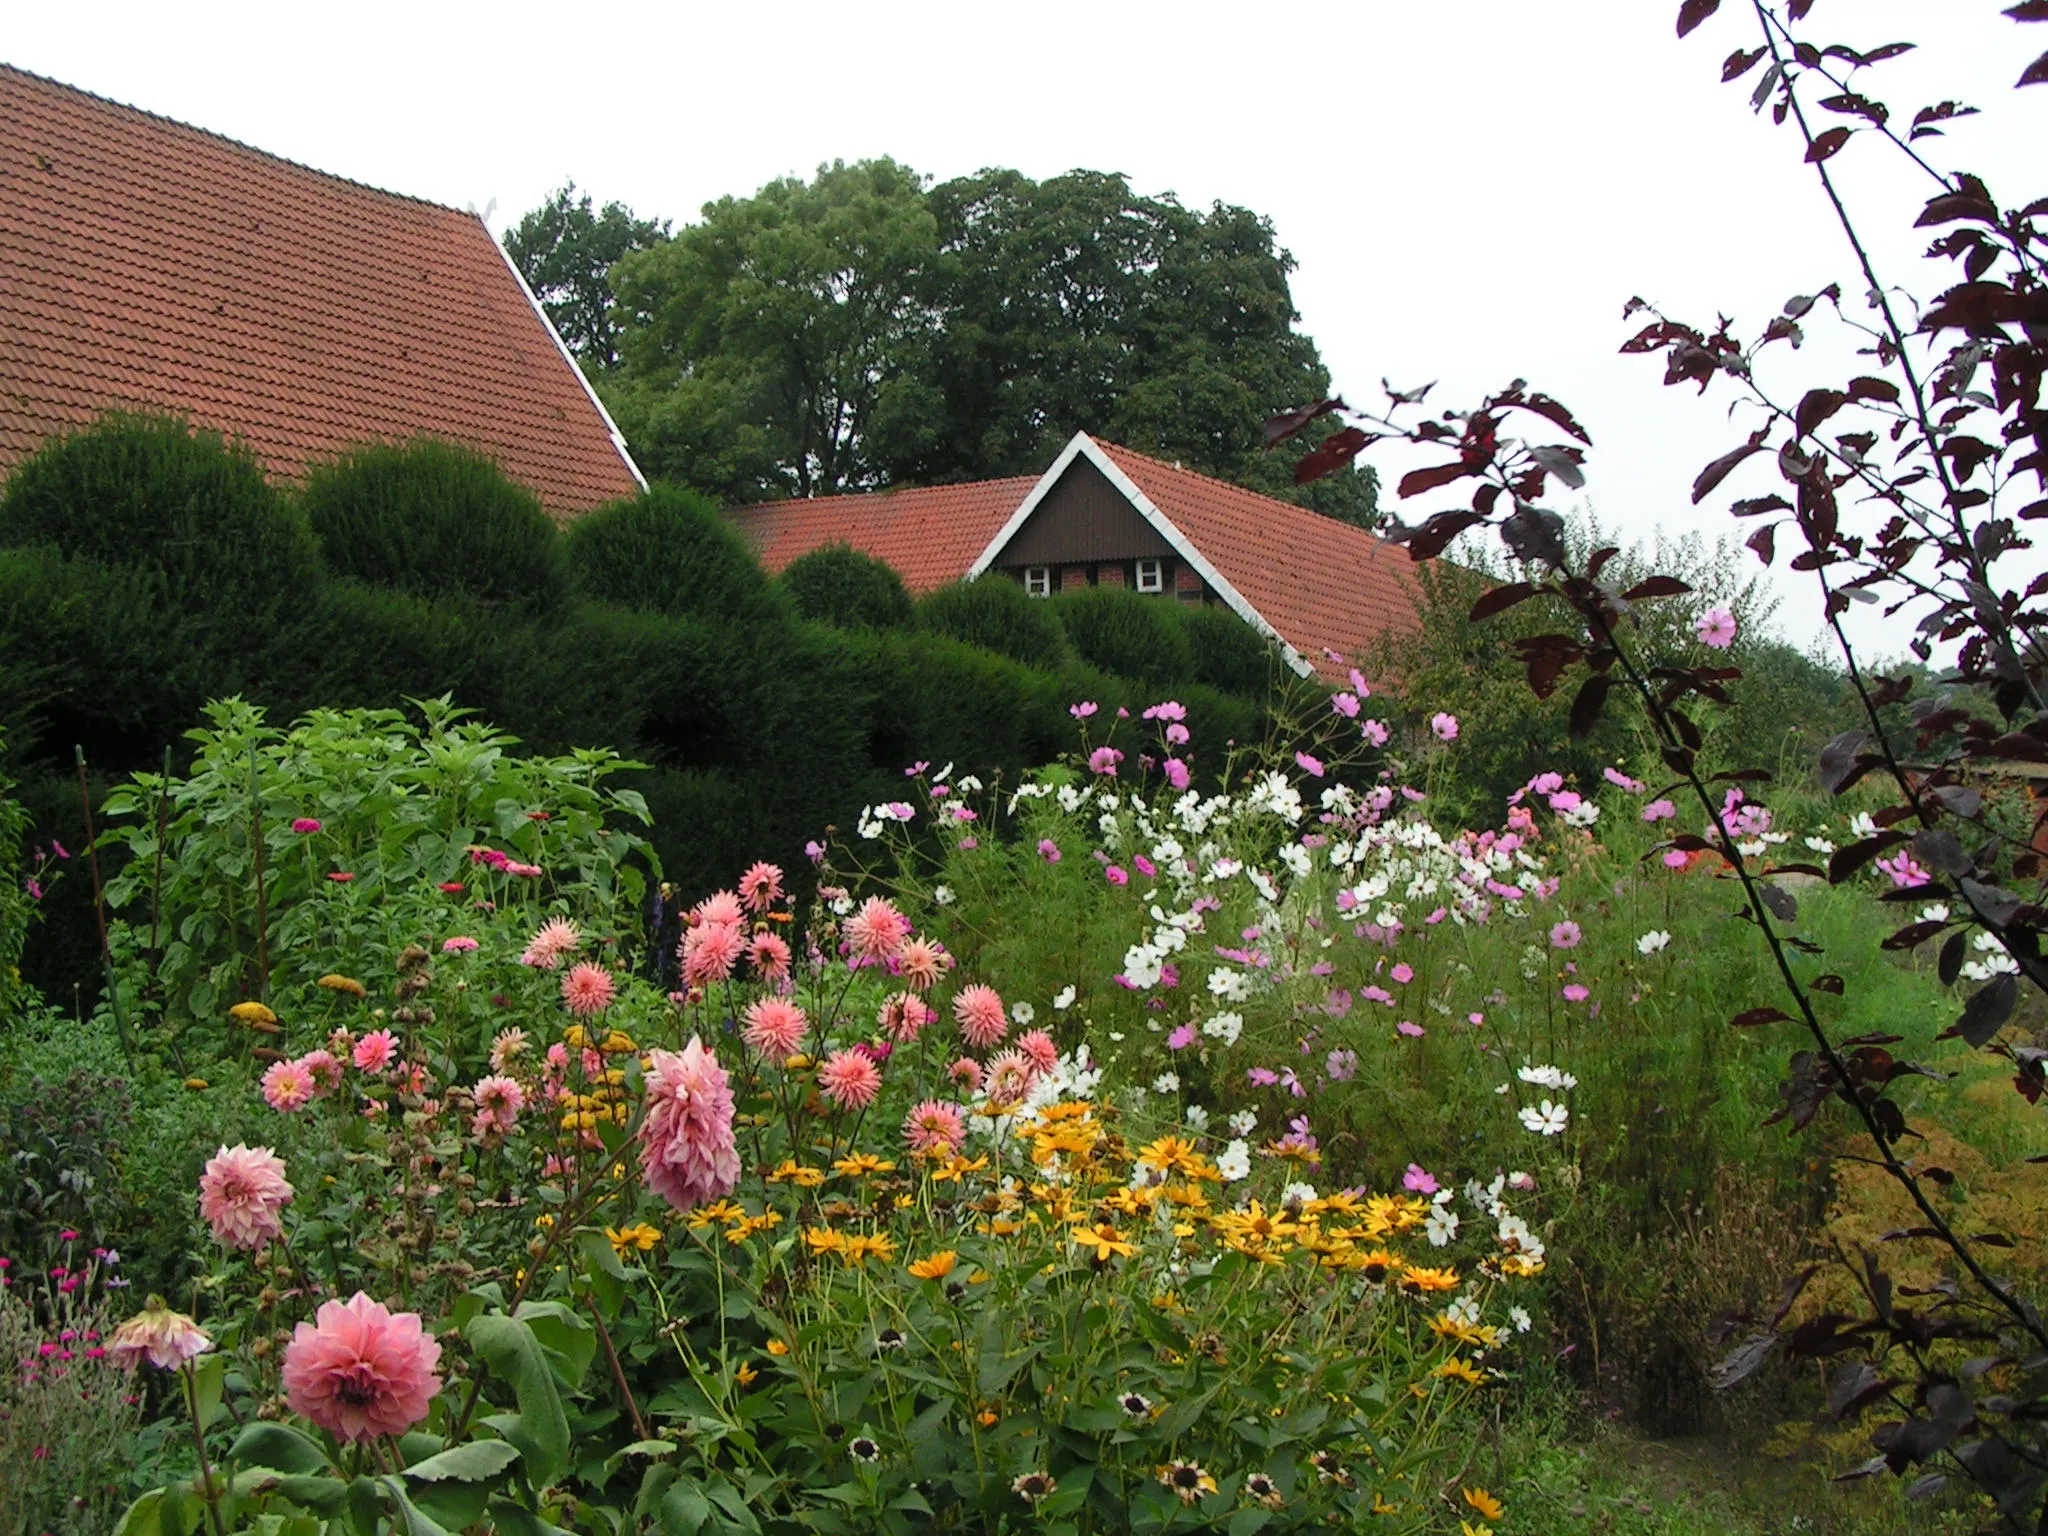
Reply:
x=639, y=1237
x=722, y=1210
x=1484, y=1504
x=1254, y=1225
x=1459, y=1370
x=790, y=1171
x=1380, y=1266
x=823, y=1240
x=958, y=1168
x=1169, y=1153
x=1520, y=1266
x=1445, y=1326
x=333, y=981
x=740, y=1231
x=746, y=1375
x=1467, y=1528
x=856, y=1165
x=937, y=1266
x=862, y=1246
x=1419, y=1279
x=777, y=1348
x=1106, y=1241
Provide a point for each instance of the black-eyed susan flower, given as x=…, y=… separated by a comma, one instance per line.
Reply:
x=1263, y=1491
x=861, y=1448
x=790, y=1171
x=862, y=1246
x=638, y=1238
x=1105, y=1240
x=1484, y=1504
x=1418, y=1279
x=935, y=1267
x=1458, y=1369
x=1136, y=1405
x=1033, y=1486
x=1330, y=1468
x=859, y=1164
x=1187, y=1480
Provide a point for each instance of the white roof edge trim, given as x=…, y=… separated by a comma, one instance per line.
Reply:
x=576, y=368
x=1081, y=445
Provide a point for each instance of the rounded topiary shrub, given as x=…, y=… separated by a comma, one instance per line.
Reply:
x=995, y=614
x=670, y=551
x=1228, y=653
x=151, y=494
x=436, y=519
x=839, y=585
x=1121, y=632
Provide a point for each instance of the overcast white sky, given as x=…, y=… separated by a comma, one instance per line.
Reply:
x=1472, y=188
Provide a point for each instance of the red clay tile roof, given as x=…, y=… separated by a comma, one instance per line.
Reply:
x=148, y=265
x=929, y=535
x=1319, y=582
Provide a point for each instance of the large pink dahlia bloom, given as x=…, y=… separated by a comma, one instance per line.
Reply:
x=242, y=1195
x=687, y=1155
x=166, y=1339
x=359, y=1371
x=980, y=1014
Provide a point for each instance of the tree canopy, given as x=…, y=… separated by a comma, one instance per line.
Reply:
x=565, y=249
x=865, y=329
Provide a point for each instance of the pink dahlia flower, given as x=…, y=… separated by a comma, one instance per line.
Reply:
x=461, y=944
x=850, y=1079
x=374, y=1051
x=710, y=951
x=1009, y=1078
x=934, y=1127
x=769, y=955
x=360, y=1371
x=556, y=938
x=761, y=887
x=588, y=989
x=687, y=1155
x=980, y=1013
x=242, y=1195
x=322, y=1071
x=164, y=1338
x=877, y=930
x=1039, y=1050
x=720, y=907
x=903, y=1017
x=498, y=1101
x=922, y=962
x=507, y=1047
x=287, y=1086
x=775, y=1027
x=967, y=1073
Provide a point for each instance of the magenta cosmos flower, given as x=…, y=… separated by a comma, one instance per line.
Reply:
x=775, y=1027
x=360, y=1371
x=1444, y=726
x=1103, y=760
x=164, y=1338
x=1716, y=629
x=850, y=1079
x=588, y=990
x=979, y=1011
x=687, y=1155
x=242, y=1195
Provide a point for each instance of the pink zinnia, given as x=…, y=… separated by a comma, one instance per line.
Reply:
x=1039, y=1049
x=980, y=1014
x=921, y=962
x=850, y=1079
x=769, y=955
x=374, y=1051
x=710, y=951
x=761, y=887
x=720, y=907
x=775, y=1027
x=461, y=944
x=498, y=1101
x=360, y=1371
x=287, y=1086
x=934, y=1127
x=902, y=1016
x=321, y=1070
x=687, y=1155
x=241, y=1195
x=877, y=930
x=1716, y=629
x=1565, y=935
x=588, y=989
x=556, y=938
x=166, y=1339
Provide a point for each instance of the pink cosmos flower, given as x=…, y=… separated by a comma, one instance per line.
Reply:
x=1565, y=935
x=934, y=1128
x=1419, y=1180
x=1176, y=773
x=166, y=1339
x=768, y=954
x=242, y=1193
x=1116, y=874
x=710, y=951
x=556, y=938
x=1374, y=731
x=903, y=1016
x=1677, y=858
x=1410, y=1028
x=877, y=931
x=1716, y=629
x=1103, y=760
x=850, y=1079
x=305, y=825
x=921, y=962
x=1444, y=726
x=287, y=1087
x=1309, y=765
x=374, y=1051
x=360, y=1371
x=775, y=1027
x=1575, y=993
x=461, y=944
x=1082, y=710
x=1048, y=850
x=321, y=1070
x=687, y=1153
x=1403, y=973
x=588, y=989
x=761, y=886
x=979, y=1011
x=1345, y=704
x=1181, y=1038
x=1659, y=810
x=1176, y=735
x=1341, y=1066
x=1621, y=780
x=1905, y=874
x=1039, y=1049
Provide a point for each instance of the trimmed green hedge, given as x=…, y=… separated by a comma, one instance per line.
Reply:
x=839, y=585
x=1123, y=632
x=670, y=551
x=996, y=615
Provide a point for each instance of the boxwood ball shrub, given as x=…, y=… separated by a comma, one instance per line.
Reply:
x=996, y=615
x=182, y=507
x=435, y=518
x=1123, y=632
x=670, y=551
x=839, y=585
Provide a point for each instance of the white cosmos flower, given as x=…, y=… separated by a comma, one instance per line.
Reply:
x=1547, y=1077
x=943, y=895
x=1065, y=999
x=1862, y=824
x=1244, y=1122
x=1547, y=1120
x=1935, y=912
x=1653, y=941
x=1820, y=845
x=1236, y=1162
x=1023, y=1014
x=1297, y=1193
x=1520, y=1318
x=1166, y=1082
x=1441, y=1227
x=1225, y=1027
x=1196, y=1117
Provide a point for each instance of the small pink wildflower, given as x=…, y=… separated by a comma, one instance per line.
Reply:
x=1659, y=810
x=1716, y=629
x=1905, y=874
x=1410, y=1028
x=1419, y=1180
x=1115, y=874
x=1345, y=704
x=1444, y=726
x=1176, y=772
x=1312, y=766
x=1048, y=850
x=1374, y=731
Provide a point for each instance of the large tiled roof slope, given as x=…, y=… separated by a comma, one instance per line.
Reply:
x=928, y=535
x=147, y=265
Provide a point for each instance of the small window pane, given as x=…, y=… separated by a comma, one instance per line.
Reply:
x=1150, y=577
x=1038, y=580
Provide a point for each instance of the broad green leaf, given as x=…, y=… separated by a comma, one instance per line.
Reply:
x=684, y=1509
x=278, y=1447
x=412, y=1520
x=541, y=1431
x=509, y=1519
x=470, y=1463
x=142, y=1518
x=322, y=1494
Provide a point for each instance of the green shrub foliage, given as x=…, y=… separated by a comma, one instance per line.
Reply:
x=1228, y=654
x=1125, y=633
x=436, y=519
x=995, y=615
x=841, y=586
x=669, y=551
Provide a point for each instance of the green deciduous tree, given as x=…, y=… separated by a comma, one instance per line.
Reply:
x=566, y=249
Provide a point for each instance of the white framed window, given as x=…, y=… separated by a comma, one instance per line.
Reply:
x=1151, y=576
x=1038, y=580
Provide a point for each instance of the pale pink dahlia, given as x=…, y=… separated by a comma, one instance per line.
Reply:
x=242, y=1195
x=507, y=1047
x=769, y=955
x=360, y=1371
x=322, y=1070
x=164, y=1338
x=498, y=1102
x=980, y=1014
x=556, y=938
x=721, y=908
x=922, y=962
x=1039, y=1050
x=934, y=1127
x=687, y=1155
x=903, y=1016
x=588, y=989
x=850, y=1079
x=1009, y=1078
x=287, y=1086
x=374, y=1051
x=710, y=950
x=966, y=1072
x=775, y=1027
x=877, y=930
x=761, y=887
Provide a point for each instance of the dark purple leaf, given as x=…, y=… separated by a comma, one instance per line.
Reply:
x=1288, y=423
x=1751, y=1018
x=1693, y=12
x=1988, y=1009
x=1416, y=481
x=1590, y=700
x=1743, y=1361
x=1330, y=455
x=1826, y=145
x=1501, y=598
x=2035, y=73
x=1722, y=467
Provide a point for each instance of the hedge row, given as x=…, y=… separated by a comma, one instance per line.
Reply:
x=145, y=568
